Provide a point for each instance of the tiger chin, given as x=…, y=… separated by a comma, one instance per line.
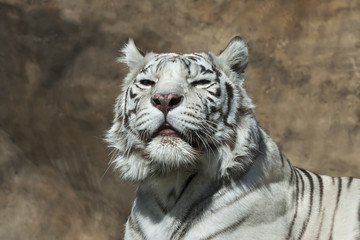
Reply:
x=185, y=131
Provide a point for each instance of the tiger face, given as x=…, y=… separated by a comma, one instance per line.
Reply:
x=181, y=112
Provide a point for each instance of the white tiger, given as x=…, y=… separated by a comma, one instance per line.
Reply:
x=185, y=130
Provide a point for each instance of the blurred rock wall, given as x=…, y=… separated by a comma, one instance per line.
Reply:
x=59, y=80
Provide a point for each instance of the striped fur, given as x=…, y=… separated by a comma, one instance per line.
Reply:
x=205, y=168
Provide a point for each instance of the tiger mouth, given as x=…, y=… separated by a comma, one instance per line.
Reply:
x=168, y=134
x=166, y=130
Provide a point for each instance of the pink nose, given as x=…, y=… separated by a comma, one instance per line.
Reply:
x=166, y=102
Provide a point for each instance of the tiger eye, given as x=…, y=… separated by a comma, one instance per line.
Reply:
x=200, y=82
x=147, y=82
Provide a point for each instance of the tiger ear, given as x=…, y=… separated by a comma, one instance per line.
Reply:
x=236, y=55
x=132, y=56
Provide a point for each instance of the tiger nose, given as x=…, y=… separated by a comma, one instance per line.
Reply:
x=166, y=102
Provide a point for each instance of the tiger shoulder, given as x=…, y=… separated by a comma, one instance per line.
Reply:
x=185, y=131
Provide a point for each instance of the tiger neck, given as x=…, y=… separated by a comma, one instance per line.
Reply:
x=167, y=191
x=183, y=184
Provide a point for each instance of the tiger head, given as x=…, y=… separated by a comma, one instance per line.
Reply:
x=185, y=111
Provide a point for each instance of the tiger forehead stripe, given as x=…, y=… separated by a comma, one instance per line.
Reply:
x=187, y=63
x=205, y=70
x=144, y=70
x=194, y=58
x=217, y=92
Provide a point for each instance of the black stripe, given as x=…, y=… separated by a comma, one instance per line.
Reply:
x=144, y=135
x=210, y=86
x=230, y=93
x=144, y=70
x=308, y=175
x=136, y=101
x=159, y=65
x=210, y=99
x=349, y=182
x=193, y=108
x=134, y=225
x=162, y=208
x=142, y=115
x=192, y=115
x=203, y=70
x=126, y=96
x=142, y=122
x=187, y=65
x=131, y=111
x=282, y=158
x=157, y=57
x=133, y=132
x=321, y=223
x=296, y=206
x=171, y=195
x=213, y=109
x=242, y=111
x=193, y=58
x=230, y=141
x=194, y=211
x=138, y=86
x=302, y=185
x=218, y=73
x=336, y=206
x=217, y=93
x=199, y=55
x=291, y=174
x=126, y=121
x=321, y=189
x=188, y=181
x=197, y=125
x=230, y=228
x=185, y=230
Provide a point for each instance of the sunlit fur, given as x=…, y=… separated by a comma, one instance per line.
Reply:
x=220, y=176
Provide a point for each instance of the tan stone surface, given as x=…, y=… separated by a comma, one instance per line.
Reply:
x=59, y=80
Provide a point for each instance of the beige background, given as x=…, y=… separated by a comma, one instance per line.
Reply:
x=59, y=80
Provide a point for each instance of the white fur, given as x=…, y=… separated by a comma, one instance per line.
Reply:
x=223, y=177
x=161, y=149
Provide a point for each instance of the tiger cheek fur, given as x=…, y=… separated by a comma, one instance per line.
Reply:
x=185, y=131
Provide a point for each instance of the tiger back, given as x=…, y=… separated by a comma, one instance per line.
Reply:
x=185, y=131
